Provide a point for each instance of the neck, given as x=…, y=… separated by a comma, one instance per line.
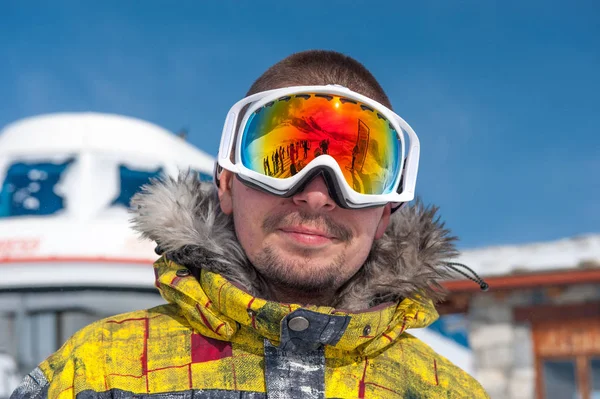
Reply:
x=286, y=295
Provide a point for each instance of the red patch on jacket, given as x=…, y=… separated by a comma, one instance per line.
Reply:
x=205, y=349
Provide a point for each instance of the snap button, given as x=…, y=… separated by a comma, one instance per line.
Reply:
x=367, y=330
x=183, y=273
x=298, y=324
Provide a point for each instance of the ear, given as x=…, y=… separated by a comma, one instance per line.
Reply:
x=225, y=192
x=384, y=221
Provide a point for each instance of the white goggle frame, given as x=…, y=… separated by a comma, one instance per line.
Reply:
x=348, y=197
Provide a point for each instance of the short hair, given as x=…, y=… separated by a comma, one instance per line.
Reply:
x=321, y=67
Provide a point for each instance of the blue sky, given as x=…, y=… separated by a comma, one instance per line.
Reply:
x=504, y=96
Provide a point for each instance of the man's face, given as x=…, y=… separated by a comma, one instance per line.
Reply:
x=305, y=242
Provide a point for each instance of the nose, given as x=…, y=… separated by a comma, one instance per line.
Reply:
x=315, y=196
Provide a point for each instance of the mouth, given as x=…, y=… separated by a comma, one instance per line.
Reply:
x=307, y=235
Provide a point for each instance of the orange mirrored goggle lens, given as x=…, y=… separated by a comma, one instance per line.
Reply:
x=284, y=136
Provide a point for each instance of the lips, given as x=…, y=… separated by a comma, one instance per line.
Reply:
x=307, y=231
x=307, y=237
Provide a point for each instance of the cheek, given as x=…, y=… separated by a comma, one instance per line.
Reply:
x=247, y=228
x=365, y=229
x=249, y=210
x=368, y=222
x=245, y=231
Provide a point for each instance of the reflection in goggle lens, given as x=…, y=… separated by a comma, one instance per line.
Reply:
x=284, y=136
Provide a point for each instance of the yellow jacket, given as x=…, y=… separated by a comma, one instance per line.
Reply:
x=211, y=338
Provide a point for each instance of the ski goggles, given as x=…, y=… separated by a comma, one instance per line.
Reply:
x=279, y=140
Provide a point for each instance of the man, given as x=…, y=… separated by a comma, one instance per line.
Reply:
x=281, y=287
x=293, y=156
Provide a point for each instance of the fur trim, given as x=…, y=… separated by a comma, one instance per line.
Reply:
x=184, y=218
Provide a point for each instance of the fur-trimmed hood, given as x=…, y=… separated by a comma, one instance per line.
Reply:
x=184, y=218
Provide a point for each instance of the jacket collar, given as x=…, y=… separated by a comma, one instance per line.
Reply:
x=215, y=307
x=184, y=218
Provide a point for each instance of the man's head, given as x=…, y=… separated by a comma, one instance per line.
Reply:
x=305, y=246
x=319, y=67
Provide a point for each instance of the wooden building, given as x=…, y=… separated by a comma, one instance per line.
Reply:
x=536, y=332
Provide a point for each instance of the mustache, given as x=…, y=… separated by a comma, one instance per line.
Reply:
x=301, y=218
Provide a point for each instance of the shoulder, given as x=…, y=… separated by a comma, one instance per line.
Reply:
x=105, y=348
x=424, y=363
x=123, y=331
x=131, y=321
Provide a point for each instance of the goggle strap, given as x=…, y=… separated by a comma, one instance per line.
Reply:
x=217, y=173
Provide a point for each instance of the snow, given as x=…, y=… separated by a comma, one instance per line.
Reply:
x=566, y=253
x=457, y=354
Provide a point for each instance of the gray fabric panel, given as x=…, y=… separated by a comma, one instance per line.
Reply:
x=294, y=374
x=191, y=394
x=33, y=386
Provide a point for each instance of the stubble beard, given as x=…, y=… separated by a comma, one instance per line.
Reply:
x=300, y=275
